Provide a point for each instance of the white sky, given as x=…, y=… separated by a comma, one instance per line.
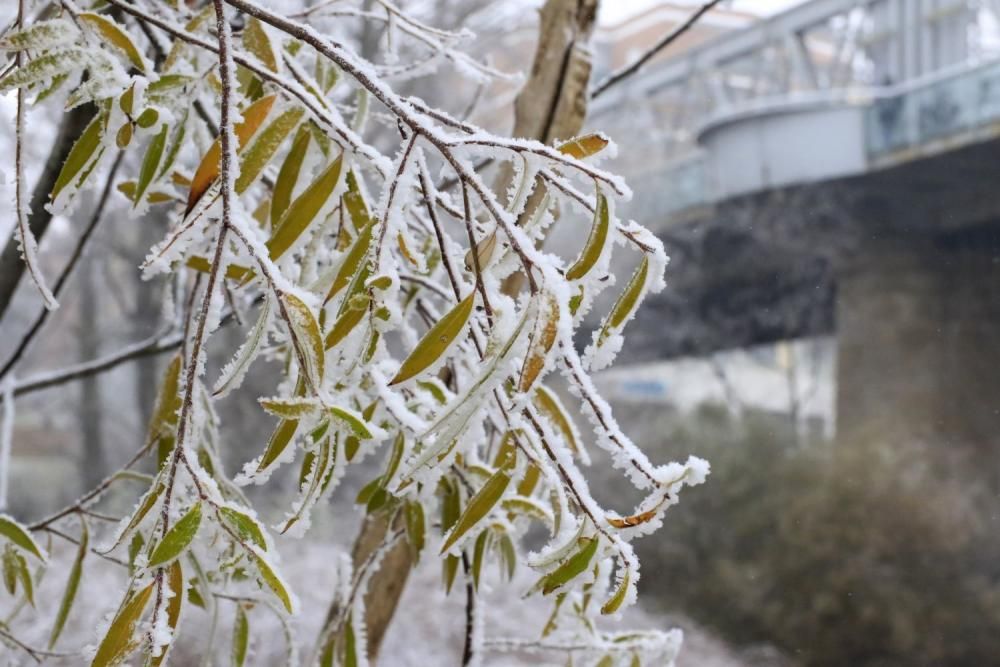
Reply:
x=615, y=11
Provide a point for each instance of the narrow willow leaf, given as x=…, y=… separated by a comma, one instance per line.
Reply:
x=244, y=525
x=258, y=154
x=618, y=597
x=72, y=585
x=145, y=505
x=342, y=326
x=163, y=423
x=20, y=537
x=167, y=87
x=39, y=36
x=307, y=334
x=43, y=68
x=234, y=372
x=150, y=162
x=595, y=242
x=241, y=637
x=436, y=341
x=20, y=570
x=273, y=582
x=627, y=302
x=484, y=252
x=111, y=33
x=289, y=408
x=257, y=42
x=434, y=387
x=585, y=146
x=120, y=640
x=279, y=441
x=450, y=569
x=479, y=550
x=549, y=406
x=208, y=170
x=607, y=661
x=530, y=480
x=320, y=464
x=543, y=337
x=302, y=212
x=415, y=528
x=175, y=580
x=176, y=142
x=508, y=555
x=355, y=203
x=178, y=538
x=288, y=175
x=349, y=268
x=574, y=566
x=350, y=644
x=81, y=155
x=134, y=547
x=479, y=506
x=10, y=569
x=353, y=420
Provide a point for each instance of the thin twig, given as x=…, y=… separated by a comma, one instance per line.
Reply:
x=628, y=70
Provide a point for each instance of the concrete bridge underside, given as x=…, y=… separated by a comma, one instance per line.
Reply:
x=902, y=264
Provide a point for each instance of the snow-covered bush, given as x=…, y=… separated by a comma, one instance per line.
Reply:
x=382, y=281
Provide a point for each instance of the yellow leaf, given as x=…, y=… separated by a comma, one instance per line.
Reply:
x=120, y=640
x=627, y=302
x=543, y=337
x=583, y=147
x=113, y=34
x=288, y=175
x=303, y=210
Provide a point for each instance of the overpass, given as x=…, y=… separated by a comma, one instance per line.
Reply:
x=834, y=169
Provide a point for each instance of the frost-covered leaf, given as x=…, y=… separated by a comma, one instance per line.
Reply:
x=258, y=42
x=290, y=408
x=244, y=525
x=175, y=581
x=234, y=372
x=121, y=639
x=573, y=567
x=178, y=538
x=47, y=66
x=415, y=528
x=20, y=537
x=265, y=145
x=150, y=162
x=436, y=341
x=288, y=175
x=40, y=36
x=550, y=407
x=543, y=337
x=352, y=261
x=278, y=443
x=113, y=34
x=274, y=582
x=596, y=242
x=304, y=210
x=309, y=340
x=72, y=585
x=627, y=303
x=479, y=505
x=208, y=170
x=614, y=603
x=83, y=154
x=355, y=422
x=585, y=146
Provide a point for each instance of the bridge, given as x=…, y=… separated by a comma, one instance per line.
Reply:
x=833, y=169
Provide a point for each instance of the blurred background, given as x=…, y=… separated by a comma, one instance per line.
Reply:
x=824, y=174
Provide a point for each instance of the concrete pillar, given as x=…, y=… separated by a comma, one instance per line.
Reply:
x=918, y=327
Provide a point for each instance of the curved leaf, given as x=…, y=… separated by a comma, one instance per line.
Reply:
x=479, y=506
x=241, y=637
x=80, y=155
x=573, y=567
x=120, y=639
x=304, y=209
x=20, y=537
x=257, y=42
x=288, y=175
x=178, y=538
x=627, y=302
x=112, y=34
x=72, y=585
x=175, y=580
x=265, y=145
x=150, y=161
x=309, y=340
x=244, y=525
x=595, y=242
x=618, y=597
x=436, y=341
x=273, y=582
x=585, y=146
x=543, y=337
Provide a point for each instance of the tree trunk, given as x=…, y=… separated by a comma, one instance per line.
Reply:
x=552, y=104
x=11, y=266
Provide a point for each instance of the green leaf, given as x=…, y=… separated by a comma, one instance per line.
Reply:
x=279, y=441
x=549, y=406
x=355, y=204
x=415, y=528
x=43, y=68
x=234, y=372
x=72, y=585
x=508, y=555
x=288, y=175
x=244, y=525
x=20, y=537
x=111, y=33
x=627, y=302
x=273, y=582
x=353, y=420
x=595, y=242
x=241, y=637
x=482, y=545
x=10, y=569
x=436, y=341
x=120, y=639
x=39, y=36
x=572, y=567
x=18, y=570
x=257, y=42
x=265, y=145
x=352, y=262
x=178, y=538
x=150, y=161
x=175, y=580
x=80, y=155
x=350, y=644
x=480, y=505
x=145, y=505
x=309, y=340
x=618, y=597
x=304, y=209
x=289, y=408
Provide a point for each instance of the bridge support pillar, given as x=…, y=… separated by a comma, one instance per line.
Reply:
x=918, y=326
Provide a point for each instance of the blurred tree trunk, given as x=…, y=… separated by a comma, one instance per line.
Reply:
x=11, y=266
x=90, y=410
x=553, y=103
